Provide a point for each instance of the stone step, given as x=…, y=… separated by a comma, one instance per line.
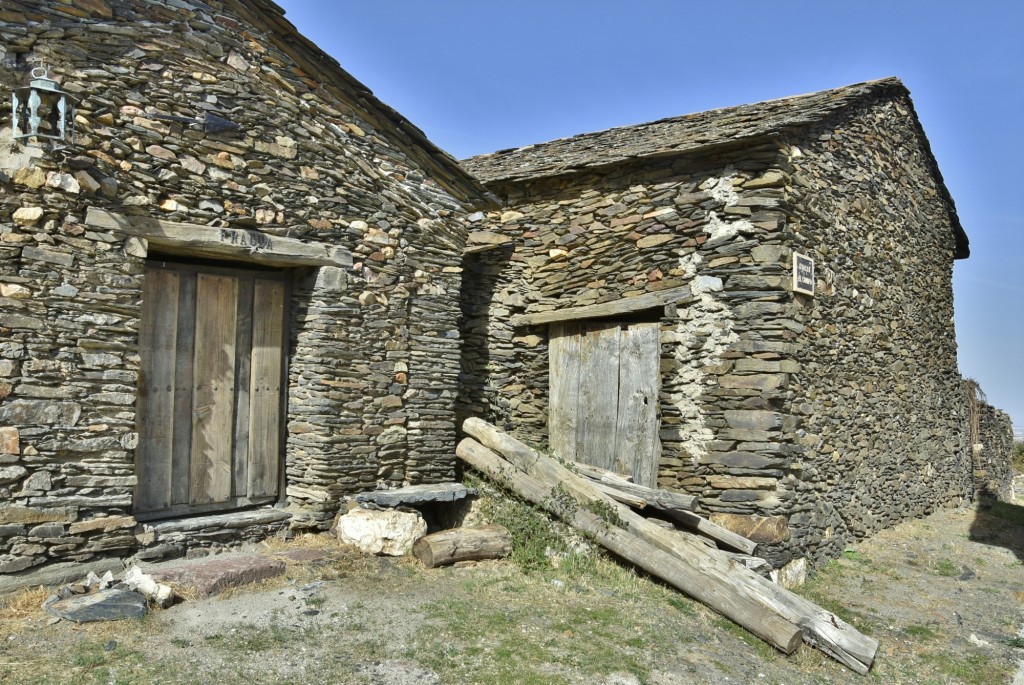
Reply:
x=211, y=575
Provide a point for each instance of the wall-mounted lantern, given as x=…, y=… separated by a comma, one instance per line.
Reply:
x=43, y=112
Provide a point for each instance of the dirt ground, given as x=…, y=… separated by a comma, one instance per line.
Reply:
x=943, y=594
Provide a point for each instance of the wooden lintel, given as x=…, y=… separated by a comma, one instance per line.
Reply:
x=625, y=305
x=221, y=243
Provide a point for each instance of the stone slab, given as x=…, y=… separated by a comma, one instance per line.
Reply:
x=103, y=605
x=416, y=494
x=210, y=576
x=302, y=556
x=242, y=519
x=56, y=574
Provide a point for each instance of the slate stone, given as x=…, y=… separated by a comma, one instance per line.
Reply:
x=111, y=604
x=416, y=494
x=210, y=576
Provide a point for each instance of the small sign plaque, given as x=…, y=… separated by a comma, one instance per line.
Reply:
x=803, y=274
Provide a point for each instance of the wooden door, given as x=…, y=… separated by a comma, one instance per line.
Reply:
x=604, y=382
x=211, y=348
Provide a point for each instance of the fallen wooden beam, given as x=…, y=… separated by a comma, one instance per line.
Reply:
x=676, y=505
x=700, y=583
x=620, y=496
x=665, y=500
x=463, y=544
x=822, y=629
x=699, y=524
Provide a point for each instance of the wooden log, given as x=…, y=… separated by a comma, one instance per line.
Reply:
x=688, y=576
x=699, y=524
x=596, y=473
x=664, y=500
x=605, y=310
x=822, y=629
x=620, y=496
x=463, y=544
x=676, y=505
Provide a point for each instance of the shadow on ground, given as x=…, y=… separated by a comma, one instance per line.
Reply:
x=999, y=523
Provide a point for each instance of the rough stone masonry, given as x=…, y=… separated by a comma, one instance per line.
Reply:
x=372, y=352
x=805, y=421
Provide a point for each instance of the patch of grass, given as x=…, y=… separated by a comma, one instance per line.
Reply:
x=535, y=538
x=1016, y=642
x=920, y=632
x=852, y=554
x=23, y=605
x=971, y=669
x=947, y=568
x=1011, y=513
x=683, y=605
x=763, y=649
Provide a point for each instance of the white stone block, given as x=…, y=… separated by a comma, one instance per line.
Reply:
x=386, y=531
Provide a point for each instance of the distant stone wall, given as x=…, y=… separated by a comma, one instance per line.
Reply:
x=992, y=450
x=374, y=350
x=878, y=392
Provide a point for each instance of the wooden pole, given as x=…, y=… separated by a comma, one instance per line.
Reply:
x=689, y=577
x=676, y=505
x=822, y=629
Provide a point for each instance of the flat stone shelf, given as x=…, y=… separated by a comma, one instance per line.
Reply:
x=413, y=495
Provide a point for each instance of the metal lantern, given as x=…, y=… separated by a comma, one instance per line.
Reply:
x=42, y=112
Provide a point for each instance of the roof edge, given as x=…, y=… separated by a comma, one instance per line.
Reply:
x=270, y=17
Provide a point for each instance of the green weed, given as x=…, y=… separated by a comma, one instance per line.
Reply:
x=920, y=632
x=971, y=669
x=851, y=554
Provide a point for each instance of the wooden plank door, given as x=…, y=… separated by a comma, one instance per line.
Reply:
x=604, y=383
x=212, y=351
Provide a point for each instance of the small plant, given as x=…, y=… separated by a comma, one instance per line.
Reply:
x=561, y=502
x=852, y=554
x=607, y=513
x=920, y=632
x=534, y=536
x=1016, y=642
x=1017, y=456
x=947, y=568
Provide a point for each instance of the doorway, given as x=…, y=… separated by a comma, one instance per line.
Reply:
x=212, y=348
x=604, y=384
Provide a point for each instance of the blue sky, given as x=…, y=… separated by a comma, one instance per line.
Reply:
x=478, y=76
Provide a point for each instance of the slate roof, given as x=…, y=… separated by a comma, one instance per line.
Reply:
x=329, y=74
x=703, y=131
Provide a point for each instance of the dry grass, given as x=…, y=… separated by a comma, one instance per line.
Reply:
x=23, y=606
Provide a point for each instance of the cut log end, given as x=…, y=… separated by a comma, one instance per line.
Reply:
x=463, y=544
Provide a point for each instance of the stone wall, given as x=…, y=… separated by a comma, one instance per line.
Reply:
x=878, y=392
x=373, y=350
x=805, y=422
x=991, y=432
x=714, y=225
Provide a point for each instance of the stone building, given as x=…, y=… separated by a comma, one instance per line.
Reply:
x=250, y=290
x=237, y=291
x=641, y=308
